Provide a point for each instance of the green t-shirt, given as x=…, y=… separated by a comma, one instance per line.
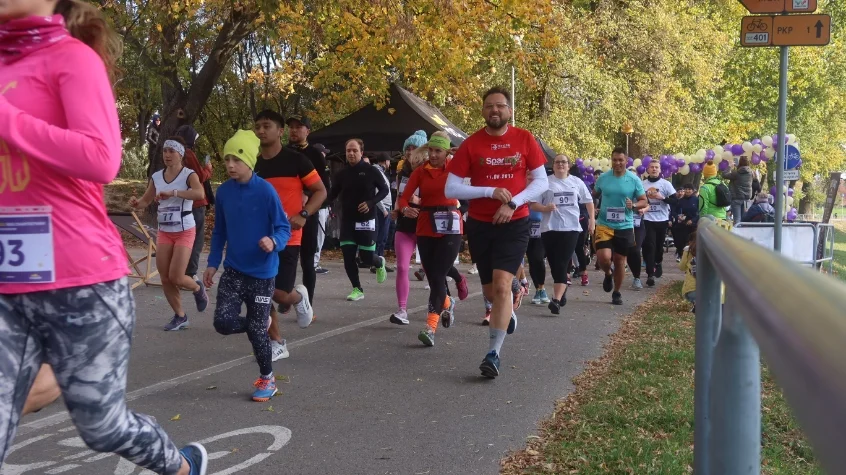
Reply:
x=613, y=212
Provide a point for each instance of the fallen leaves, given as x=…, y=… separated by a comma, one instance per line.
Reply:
x=176, y=417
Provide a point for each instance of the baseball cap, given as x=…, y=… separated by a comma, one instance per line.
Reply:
x=301, y=119
x=321, y=148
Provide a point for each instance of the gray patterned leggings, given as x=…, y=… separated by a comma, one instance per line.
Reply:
x=84, y=333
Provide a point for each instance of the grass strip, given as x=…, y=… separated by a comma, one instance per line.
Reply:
x=632, y=409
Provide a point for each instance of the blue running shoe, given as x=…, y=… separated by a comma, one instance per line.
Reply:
x=490, y=365
x=201, y=297
x=265, y=389
x=197, y=457
x=512, y=325
x=176, y=323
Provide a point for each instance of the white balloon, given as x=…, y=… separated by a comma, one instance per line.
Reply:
x=727, y=155
x=684, y=170
x=757, y=148
x=747, y=146
x=770, y=152
x=767, y=140
x=604, y=162
x=791, y=139
x=717, y=150
x=637, y=162
x=789, y=201
x=678, y=156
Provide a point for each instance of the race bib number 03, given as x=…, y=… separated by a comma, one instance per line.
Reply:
x=366, y=225
x=615, y=215
x=565, y=198
x=442, y=222
x=26, y=246
x=534, y=230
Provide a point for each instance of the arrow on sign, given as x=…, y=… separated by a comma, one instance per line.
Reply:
x=819, y=27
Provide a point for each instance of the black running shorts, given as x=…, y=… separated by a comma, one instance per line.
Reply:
x=497, y=246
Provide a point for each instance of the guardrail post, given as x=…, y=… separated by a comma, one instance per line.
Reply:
x=735, y=399
x=708, y=316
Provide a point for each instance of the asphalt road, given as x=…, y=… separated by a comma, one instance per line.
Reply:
x=360, y=396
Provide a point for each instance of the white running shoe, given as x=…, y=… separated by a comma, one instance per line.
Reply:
x=473, y=270
x=400, y=317
x=305, y=314
x=279, y=350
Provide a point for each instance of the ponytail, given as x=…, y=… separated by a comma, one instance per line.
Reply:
x=87, y=23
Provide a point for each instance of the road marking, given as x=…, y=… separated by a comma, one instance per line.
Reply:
x=61, y=417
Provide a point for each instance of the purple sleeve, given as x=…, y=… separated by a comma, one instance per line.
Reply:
x=90, y=147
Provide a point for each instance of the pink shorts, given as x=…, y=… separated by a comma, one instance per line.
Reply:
x=181, y=238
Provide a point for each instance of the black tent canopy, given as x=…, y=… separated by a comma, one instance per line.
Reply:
x=387, y=128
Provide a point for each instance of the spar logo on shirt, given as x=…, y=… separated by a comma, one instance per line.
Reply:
x=500, y=146
x=510, y=161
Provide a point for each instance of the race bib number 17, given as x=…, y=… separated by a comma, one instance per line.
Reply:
x=26, y=246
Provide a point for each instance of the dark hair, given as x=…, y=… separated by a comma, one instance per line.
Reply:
x=87, y=23
x=271, y=115
x=743, y=162
x=618, y=150
x=179, y=139
x=688, y=186
x=358, y=141
x=575, y=171
x=597, y=172
x=498, y=90
x=691, y=243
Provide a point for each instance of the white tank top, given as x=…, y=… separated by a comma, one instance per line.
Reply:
x=174, y=214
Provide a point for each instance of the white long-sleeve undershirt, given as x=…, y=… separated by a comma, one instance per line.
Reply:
x=456, y=188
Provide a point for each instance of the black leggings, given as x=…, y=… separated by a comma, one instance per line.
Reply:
x=536, y=254
x=437, y=255
x=235, y=289
x=351, y=266
x=634, y=257
x=653, y=245
x=308, y=248
x=681, y=233
x=581, y=255
x=559, y=246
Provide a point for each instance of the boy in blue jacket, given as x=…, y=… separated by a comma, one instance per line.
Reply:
x=249, y=221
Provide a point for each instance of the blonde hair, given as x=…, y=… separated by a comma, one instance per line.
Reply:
x=87, y=23
x=419, y=156
x=440, y=133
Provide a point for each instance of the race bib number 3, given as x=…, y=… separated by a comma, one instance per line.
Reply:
x=565, y=198
x=442, y=222
x=615, y=215
x=26, y=248
x=366, y=225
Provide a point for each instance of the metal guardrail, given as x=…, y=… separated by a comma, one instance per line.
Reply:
x=828, y=248
x=794, y=316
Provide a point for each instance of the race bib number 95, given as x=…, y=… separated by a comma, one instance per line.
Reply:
x=26, y=246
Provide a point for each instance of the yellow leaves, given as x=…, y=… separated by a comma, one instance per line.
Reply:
x=158, y=27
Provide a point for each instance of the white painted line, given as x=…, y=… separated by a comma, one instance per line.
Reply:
x=61, y=417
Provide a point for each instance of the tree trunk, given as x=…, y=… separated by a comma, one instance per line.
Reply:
x=806, y=203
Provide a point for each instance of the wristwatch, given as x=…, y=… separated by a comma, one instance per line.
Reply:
x=304, y=214
x=512, y=205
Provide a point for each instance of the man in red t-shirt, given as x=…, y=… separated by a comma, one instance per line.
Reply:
x=498, y=160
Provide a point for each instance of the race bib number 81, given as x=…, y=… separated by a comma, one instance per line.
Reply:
x=26, y=246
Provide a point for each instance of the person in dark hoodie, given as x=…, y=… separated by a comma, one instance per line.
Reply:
x=204, y=172
x=760, y=212
x=685, y=216
x=740, y=186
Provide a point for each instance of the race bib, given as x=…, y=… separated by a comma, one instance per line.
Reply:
x=366, y=225
x=170, y=215
x=615, y=215
x=534, y=230
x=26, y=246
x=402, y=184
x=654, y=208
x=564, y=198
x=443, y=220
x=637, y=220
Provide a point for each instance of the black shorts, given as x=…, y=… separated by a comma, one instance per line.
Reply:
x=308, y=243
x=360, y=238
x=286, y=275
x=620, y=241
x=497, y=246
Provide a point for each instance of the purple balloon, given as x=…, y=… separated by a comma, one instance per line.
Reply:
x=764, y=158
x=775, y=139
x=589, y=170
x=709, y=154
x=773, y=191
x=756, y=142
x=679, y=162
x=723, y=165
x=756, y=159
x=580, y=162
x=727, y=147
x=640, y=170
x=790, y=192
x=629, y=162
x=736, y=150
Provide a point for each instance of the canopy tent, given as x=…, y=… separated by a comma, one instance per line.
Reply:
x=386, y=129
x=547, y=150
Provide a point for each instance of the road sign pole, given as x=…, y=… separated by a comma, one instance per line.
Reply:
x=782, y=148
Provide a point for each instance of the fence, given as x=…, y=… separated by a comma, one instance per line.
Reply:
x=800, y=241
x=792, y=315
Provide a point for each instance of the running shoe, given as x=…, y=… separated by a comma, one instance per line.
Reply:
x=355, y=295
x=569, y=280
x=265, y=389
x=678, y=259
x=536, y=300
x=420, y=274
x=617, y=298
x=554, y=307
x=177, y=323
x=608, y=283
x=305, y=312
x=490, y=365
x=650, y=281
x=197, y=457
x=400, y=317
x=461, y=285
x=321, y=270
x=659, y=270
x=427, y=336
x=544, y=298
x=585, y=279
x=201, y=297
x=448, y=314
x=278, y=350
x=487, y=320
x=381, y=273
x=637, y=284
x=518, y=296
x=512, y=324
x=473, y=270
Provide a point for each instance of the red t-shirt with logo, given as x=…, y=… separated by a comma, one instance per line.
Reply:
x=499, y=162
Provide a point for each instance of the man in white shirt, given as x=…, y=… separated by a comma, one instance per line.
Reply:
x=661, y=196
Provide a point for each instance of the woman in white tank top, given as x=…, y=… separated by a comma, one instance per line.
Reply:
x=175, y=188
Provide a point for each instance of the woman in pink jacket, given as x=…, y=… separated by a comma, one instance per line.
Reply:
x=64, y=296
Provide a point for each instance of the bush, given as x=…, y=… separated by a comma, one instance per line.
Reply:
x=134, y=163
